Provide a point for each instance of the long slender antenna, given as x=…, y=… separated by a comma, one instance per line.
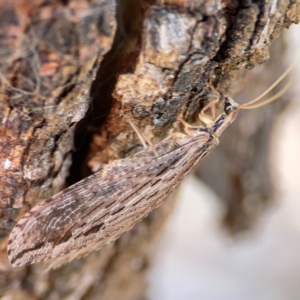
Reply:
x=271, y=99
x=288, y=70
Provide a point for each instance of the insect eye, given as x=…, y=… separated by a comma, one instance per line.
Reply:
x=228, y=108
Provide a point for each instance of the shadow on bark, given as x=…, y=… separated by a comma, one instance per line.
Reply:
x=69, y=63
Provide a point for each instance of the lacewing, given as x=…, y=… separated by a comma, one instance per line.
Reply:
x=98, y=209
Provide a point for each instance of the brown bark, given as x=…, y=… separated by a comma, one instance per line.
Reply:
x=239, y=169
x=98, y=62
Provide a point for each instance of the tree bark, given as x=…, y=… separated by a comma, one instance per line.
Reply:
x=74, y=71
x=239, y=169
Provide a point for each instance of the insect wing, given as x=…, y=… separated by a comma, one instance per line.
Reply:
x=98, y=209
x=50, y=223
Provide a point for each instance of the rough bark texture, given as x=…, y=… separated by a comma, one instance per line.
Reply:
x=99, y=62
x=238, y=170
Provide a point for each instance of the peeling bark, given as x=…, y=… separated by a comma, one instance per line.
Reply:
x=88, y=66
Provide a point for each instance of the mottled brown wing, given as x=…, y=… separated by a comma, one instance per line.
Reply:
x=98, y=209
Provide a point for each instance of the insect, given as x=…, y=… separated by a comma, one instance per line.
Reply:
x=98, y=209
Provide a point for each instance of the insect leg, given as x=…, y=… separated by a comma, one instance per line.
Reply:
x=204, y=117
x=142, y=138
